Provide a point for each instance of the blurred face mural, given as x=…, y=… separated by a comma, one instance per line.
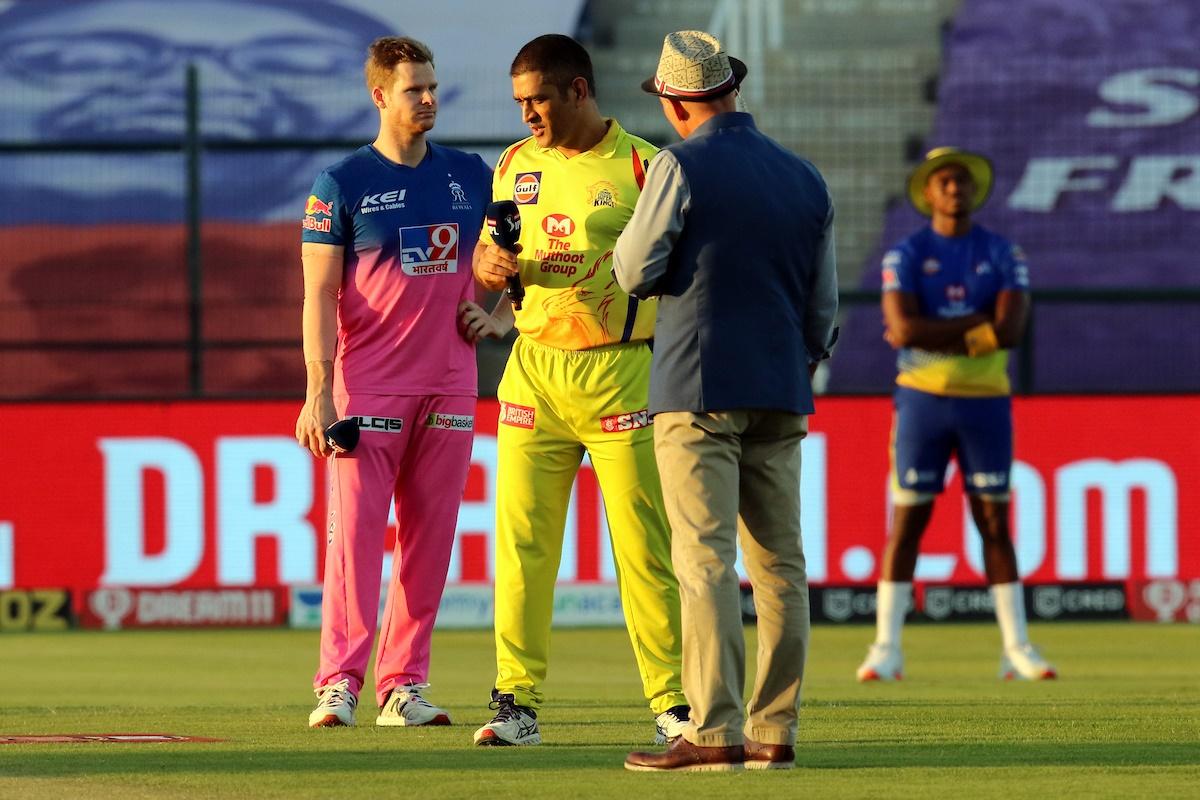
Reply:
x=114, y=70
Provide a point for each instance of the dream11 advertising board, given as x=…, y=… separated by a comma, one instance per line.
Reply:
x=201, y=498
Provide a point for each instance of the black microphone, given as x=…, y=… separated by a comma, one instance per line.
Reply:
x=342, y=436
x=504, y=224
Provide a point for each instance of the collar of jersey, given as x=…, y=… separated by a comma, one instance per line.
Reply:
x=382, y=159
x=603, y=148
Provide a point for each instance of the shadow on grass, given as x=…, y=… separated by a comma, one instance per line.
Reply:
x=94, y=760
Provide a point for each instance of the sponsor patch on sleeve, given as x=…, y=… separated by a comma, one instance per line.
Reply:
x=516, y=416
x=891, y=280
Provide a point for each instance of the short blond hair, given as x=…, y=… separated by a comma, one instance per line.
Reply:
x=386, y=52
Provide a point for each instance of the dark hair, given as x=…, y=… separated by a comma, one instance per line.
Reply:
x=386, y=52
x=559, y=58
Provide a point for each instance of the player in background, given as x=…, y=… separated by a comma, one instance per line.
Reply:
x=955, y=298
x=577, y=381
x=388, y=236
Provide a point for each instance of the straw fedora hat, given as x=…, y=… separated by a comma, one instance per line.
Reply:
x=693, y=67
x=979, y=167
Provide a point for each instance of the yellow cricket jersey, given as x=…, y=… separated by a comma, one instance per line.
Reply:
x=572, y=211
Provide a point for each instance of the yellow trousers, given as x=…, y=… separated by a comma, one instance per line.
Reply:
x=556, y=405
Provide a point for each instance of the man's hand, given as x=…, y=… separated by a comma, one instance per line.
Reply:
x=317, y=414
x=474, y=323
x=493, y=265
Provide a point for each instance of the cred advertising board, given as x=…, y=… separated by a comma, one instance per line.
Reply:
x=218, y=495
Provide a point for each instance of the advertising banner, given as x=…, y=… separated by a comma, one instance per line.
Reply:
x=218, y=495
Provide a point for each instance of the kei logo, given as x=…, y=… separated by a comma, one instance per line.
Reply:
x=429, y=249
x=956, y=293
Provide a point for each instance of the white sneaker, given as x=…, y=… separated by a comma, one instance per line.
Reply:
x=669, y=725
x=512, y=725
x=1024, y=661
x=406, y=706
x=335, y=706
x=884, y=662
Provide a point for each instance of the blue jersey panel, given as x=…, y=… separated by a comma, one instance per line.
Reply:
x=364, y=201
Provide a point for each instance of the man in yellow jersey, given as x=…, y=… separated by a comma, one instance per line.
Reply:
x=955, y=295
x=577, y=381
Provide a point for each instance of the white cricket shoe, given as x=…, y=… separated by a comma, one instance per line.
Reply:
x=1024, y=661
x=884, y=662
x=669, y=725
x=406, y=706
x=512, y=725
x=335, y=706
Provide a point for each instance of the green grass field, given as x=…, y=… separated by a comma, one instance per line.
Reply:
x=1124, y=720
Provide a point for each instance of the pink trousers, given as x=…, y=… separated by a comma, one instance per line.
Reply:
x=422, y=462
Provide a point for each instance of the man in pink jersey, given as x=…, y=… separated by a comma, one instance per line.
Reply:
x=388, y=234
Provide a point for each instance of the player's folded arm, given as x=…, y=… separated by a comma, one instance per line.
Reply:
x=908, y=328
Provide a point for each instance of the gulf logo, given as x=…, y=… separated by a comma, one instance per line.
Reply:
x=558, y=225
x=526, y=187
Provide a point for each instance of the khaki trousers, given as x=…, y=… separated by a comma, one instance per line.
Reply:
x=730, y=476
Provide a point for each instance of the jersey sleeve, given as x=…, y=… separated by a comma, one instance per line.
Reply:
x=1014, y=269
x=898, y=271
x=326, y=218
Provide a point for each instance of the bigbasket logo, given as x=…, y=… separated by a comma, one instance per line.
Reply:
x=429, y=249
x=450, y=422
x=526, y=187
x=516, y=416
x=558, y=225
x=631, y=421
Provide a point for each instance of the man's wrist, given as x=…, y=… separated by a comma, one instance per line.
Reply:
x=320, y=376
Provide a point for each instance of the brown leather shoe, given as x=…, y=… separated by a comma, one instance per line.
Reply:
x=769, y=756
x=683, y=756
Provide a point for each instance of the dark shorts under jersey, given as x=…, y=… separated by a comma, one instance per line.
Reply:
x=928, y=428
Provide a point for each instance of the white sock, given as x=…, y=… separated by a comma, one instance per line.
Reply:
x=892, y=601
x=1009, y=599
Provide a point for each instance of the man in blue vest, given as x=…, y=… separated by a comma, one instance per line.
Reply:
x=735, y=235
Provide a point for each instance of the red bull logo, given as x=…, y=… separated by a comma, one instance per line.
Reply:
x=316, y=205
